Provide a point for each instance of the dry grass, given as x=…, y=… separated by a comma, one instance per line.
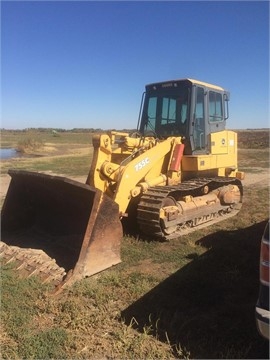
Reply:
x=193, y=297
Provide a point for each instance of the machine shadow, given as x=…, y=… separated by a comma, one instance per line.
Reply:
x=206, y=309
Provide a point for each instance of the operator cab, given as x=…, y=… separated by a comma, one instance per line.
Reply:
x=188, y=108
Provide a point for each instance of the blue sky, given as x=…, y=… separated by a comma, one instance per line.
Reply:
x=84, y=64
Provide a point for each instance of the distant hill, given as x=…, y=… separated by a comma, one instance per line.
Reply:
x=253, y=138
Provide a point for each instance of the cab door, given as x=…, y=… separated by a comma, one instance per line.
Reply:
x=198, y=125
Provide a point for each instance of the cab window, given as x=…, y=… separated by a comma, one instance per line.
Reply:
x=215, y=106
x=168, y=111
x=152, y=112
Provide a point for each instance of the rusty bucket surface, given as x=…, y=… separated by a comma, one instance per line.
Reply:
x=73, y=223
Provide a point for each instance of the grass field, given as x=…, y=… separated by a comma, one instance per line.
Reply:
x=189, y=298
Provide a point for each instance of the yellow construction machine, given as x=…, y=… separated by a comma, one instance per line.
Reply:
x=175, y=174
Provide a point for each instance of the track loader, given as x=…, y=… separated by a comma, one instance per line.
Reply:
x=175, y=174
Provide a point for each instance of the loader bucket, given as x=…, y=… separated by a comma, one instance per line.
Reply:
x=73, y=223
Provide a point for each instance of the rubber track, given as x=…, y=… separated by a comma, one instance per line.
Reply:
x=31, y=262
x=151, y=202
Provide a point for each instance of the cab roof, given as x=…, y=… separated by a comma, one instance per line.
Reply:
x=192, y=81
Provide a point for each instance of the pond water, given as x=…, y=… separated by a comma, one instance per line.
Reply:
x=9, y=153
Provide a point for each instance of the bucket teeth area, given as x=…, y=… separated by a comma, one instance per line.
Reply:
x=32, y=262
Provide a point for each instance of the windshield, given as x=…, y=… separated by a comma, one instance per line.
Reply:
x=166, y=112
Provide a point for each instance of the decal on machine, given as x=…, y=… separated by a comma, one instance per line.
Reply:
x=142, y=164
